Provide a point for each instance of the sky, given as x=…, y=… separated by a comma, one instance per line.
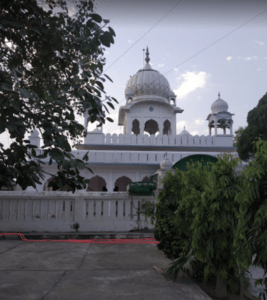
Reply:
x=201, y=47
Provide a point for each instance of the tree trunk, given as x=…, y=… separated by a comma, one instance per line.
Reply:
x=221, y=288
x=242, y=285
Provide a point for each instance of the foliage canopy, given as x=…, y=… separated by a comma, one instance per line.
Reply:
x=51, y=66
x=257, y=120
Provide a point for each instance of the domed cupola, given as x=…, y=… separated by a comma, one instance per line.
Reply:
x=150, y=104
x=148, y=82
x=220, y=117
x=184, y=132
x=219, y=105
x=166, y=164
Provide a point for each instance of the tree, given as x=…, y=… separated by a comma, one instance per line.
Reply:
x=206, y=215
x=166, y=231
x=51, y=66
x=192, y=185
x=238, y=133
x=251, y=237
x=257, y=120
x=215, y=222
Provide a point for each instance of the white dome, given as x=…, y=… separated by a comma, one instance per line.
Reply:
x=219, y=105
x=184, y=132
x=171, y=94
x=166, y=164
x=148, y=82
x=35, y=133
x=129, y=93
x=96, y=130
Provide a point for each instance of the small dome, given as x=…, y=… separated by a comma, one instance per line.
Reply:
x=171, y=94
x=148, y=82
x=130, y=93
x=184, y=132
x=219, y=105
x=166, y=164
x=96, y=130
x=35, y=133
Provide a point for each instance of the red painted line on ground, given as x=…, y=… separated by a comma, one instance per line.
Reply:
x=93, y=241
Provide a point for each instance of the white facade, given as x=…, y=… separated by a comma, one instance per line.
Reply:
x=149, y=146
x=149, y=121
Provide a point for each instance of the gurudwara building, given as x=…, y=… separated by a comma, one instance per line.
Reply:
x=149, y=144
x=128, y=168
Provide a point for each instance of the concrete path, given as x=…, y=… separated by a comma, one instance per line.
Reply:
x=83, y=271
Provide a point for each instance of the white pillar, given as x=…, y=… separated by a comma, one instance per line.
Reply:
x=215, y=122
x=173, y=127
x=209, y=130
x=231, y=128
x=110, y=182
x=129, y=127
x=142, y=126
x=34, y=138
x=160, y=126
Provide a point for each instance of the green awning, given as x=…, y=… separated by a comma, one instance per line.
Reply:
x=141, y=188
x=181, y=164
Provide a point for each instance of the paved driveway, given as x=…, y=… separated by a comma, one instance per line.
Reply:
x=83, y=271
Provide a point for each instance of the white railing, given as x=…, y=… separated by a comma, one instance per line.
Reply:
x=144, y=139
x=58, y=211
x=134, y=157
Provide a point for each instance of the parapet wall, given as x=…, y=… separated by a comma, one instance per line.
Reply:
x=159, y=140
x=59, y=211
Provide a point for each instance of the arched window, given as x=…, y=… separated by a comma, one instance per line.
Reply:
x=121, y=184
x=146, y=179
x=136, y=127
x=97, y=184
x=46, y=188
x=151, y=127
x=167, y=127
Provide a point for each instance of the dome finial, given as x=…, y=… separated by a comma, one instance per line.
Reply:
x=184, y=127
x=219, y=95
x=147, y=56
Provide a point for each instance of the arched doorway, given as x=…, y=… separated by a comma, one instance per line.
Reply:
x=167, y=127
x=151, y=127
x=97, y=184
x=46, y=188
x=136, y=127
x=181, y=164
x=121, y=184
x=146, y=179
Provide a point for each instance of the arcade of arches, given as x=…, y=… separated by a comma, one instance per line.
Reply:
x=96, y=184
x=151, y=127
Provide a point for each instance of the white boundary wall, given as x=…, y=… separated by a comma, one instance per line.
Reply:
x=22, y=211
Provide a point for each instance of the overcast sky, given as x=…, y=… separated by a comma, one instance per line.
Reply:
x=201, y=47
x=176, y=32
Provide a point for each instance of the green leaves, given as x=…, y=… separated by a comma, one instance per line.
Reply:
x=75, y=69
x=97, y=18
x=56, y=154
x=256, y=128
x=109, y=80
x=106, y=39
x=42, y=88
